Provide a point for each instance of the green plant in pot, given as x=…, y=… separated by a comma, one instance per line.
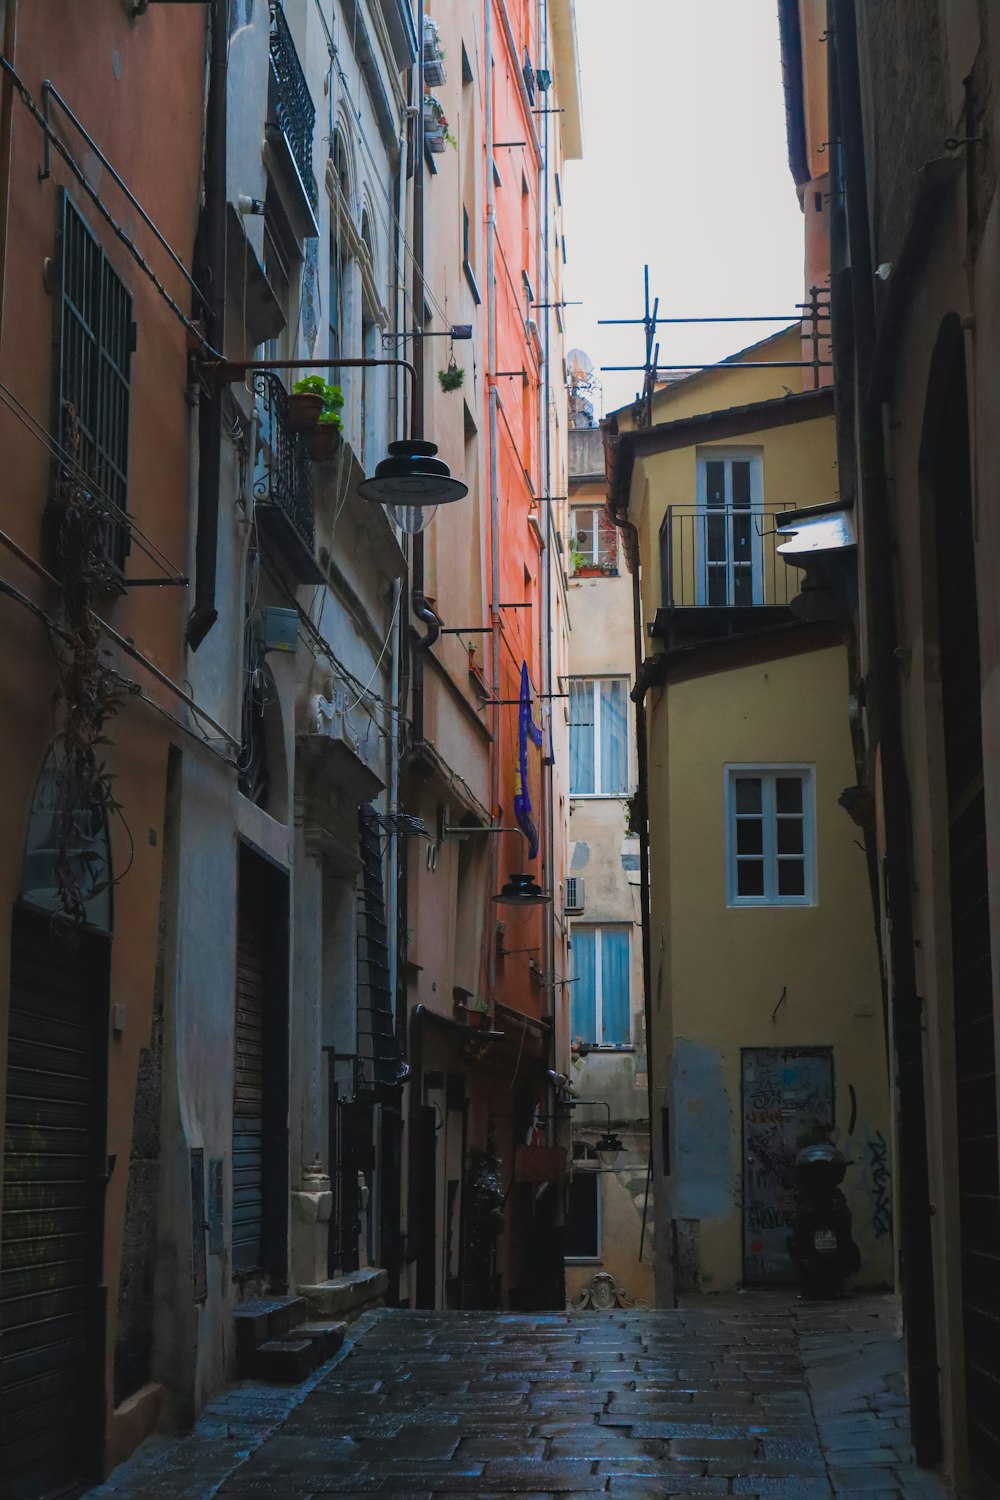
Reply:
x=322, y=434
x=452, y=378
x=478, y=1014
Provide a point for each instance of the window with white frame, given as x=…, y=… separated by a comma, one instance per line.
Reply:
x=602, y=985
x=770, y=824
x=729, y=527
x=594, y=539
x=598, y=736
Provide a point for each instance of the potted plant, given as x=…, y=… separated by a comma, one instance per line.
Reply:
x=434, y=73
x=477, y=1014
x=435, y=124
x=322, y=431
x=451, y=379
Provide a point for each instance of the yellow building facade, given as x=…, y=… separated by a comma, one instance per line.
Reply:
x=767, y=1028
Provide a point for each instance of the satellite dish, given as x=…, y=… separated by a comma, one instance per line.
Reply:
x=579, y=366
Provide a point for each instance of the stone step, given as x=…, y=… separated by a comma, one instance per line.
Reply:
x=348, y=1296
x=286, y=1361
x=262, y=1318
x=329, y=1336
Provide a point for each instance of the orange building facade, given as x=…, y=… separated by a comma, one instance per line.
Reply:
x=95, y=421
x=487, y=1008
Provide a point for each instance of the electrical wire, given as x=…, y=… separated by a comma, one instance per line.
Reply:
x=385, y=647
x=42, y=435
x=24, y=94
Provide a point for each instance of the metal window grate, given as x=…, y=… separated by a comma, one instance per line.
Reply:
x=293, y=106
x=95, y=347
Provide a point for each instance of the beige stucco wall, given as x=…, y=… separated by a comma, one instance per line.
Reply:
x=601, y=645
x=799, y=469
x=720, y=971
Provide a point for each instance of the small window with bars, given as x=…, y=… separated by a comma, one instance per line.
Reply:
x=96, y=339
x=770, y=820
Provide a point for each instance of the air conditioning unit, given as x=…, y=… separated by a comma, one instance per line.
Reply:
x=574, y=896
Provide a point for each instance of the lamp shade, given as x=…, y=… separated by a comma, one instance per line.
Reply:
x=413, y=477
x=522, y=890
x=608, y=1149
x=412, y=518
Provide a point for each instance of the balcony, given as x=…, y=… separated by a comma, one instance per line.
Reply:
x=291, y=113
x=282, y=481
x=721, y=572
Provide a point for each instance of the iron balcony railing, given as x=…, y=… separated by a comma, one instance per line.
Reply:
x=723, y=557
x=282, y=473
x=291, y=102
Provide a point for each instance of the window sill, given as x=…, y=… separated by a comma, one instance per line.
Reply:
x=605, y=1049
x=790, y=903
x=583, y=1260
x=597, y=796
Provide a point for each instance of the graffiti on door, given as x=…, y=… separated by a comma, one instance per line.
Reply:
x=787, y=1104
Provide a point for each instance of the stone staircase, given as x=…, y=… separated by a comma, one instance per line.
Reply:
x=277, y=1340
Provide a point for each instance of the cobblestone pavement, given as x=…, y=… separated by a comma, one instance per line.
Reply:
x=750, y=1396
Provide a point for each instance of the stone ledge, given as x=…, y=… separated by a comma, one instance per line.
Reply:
x=347, y=1296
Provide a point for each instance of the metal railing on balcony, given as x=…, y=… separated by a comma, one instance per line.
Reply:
x=723, y=557
x=282, y=473
x=292, y=105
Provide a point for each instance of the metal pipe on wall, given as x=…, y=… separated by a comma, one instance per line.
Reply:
x=211, y=268
x=491, y=319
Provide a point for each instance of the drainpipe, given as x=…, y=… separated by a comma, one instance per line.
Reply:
x=6, y=130
x=420, y=607
x=211, y=274
x=630, y=539
x=916, y=1248
x=494, y=498
x=548, y=622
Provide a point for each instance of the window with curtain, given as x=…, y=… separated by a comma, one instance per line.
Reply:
x=598, y=736
x=602, y=972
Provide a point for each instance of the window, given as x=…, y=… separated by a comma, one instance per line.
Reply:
x=602, y=971
x=729, y=533
x=583, y=1217
x=770, y=841
x=282, y=260
x=598, y=746
x=468, y=252
x=595, y=540
x=95, y=353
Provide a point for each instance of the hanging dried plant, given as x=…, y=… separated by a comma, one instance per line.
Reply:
x=87, y=689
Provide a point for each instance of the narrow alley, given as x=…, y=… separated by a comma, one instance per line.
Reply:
x=757, y=1395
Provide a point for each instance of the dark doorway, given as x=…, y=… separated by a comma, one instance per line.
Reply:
x=946, y=464
x=260, y=1093
x=52, y=1308
x=787, y=1104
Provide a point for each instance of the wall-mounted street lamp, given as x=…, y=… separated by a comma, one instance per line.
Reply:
x=609, y=1147
x=521, y=889
x=412, y=482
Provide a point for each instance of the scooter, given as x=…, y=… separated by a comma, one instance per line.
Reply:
x=820, y=1245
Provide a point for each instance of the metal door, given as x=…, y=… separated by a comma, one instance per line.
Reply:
x=248, y=1095
x=51, y=1227
x=787, y=1104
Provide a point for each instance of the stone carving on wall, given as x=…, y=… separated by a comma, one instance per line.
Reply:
x=603, y=1293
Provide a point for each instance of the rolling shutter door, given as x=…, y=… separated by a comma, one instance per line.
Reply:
x=50, y=1233
x=248, y=1099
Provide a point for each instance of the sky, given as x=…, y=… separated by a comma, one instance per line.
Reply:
x=684, y=167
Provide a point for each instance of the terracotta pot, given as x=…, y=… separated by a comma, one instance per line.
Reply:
x=304, y=408
x=322, y=442
x=479, y=1019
